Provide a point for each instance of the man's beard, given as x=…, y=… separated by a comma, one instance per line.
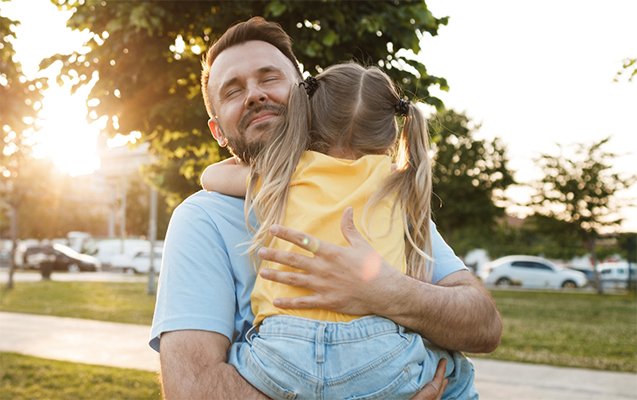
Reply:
x=243, y=150
x=248, y=151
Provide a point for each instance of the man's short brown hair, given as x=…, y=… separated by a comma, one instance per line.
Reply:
x=256, y=28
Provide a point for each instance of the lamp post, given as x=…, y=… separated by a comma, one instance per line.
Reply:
x=152, y=236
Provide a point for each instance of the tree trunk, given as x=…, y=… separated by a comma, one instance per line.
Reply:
x=14, y=244
x=590, y=242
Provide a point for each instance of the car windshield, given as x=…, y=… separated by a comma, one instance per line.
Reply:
x=66, y=250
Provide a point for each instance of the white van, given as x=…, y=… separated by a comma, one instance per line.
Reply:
x=614, y=275
x=106, y=249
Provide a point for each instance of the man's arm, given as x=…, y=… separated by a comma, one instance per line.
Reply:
x=193, y=366
x=457, y=313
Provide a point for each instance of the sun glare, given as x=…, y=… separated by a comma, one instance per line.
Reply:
x=64, y=135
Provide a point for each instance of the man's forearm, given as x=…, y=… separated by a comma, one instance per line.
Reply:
x=220, y=381
x=193, y=366
x=456, y=314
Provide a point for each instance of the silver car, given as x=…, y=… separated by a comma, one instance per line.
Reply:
x=532, y=272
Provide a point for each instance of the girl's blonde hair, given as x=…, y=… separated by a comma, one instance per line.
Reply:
x=353, y=110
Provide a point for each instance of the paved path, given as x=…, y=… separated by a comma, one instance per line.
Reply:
x=106, y=276
x=125, y=345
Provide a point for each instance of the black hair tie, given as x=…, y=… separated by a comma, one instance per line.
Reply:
x=402, y=107
x=310, y=84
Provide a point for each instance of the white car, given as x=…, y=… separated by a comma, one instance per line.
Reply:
x=532, y=272
x=137, y=262
x=615, y=274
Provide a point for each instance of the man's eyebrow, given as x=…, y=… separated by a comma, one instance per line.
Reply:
x=263, y=70
x=269, y=68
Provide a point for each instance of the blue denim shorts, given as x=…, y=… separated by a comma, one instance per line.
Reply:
x=368, y=358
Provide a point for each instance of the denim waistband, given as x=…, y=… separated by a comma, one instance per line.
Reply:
x=330, y=332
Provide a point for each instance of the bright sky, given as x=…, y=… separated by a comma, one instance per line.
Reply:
x=63, y=133
x=534, y=73
x=537, y=73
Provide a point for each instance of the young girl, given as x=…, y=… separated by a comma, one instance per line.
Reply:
x=335, y=151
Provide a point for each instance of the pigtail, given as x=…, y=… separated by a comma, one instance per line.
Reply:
x=414, y=189
x=411, y=184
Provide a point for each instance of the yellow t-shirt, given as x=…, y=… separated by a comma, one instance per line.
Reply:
x=321, y=188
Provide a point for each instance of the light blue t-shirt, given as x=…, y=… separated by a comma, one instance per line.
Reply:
x=206, y=277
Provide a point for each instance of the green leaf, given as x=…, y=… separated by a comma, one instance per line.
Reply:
x=275, y=9
x=330, y=38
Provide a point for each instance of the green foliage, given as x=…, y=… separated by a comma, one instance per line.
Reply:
x=555, y=328
x=138, y=209
x=553, y=238
x=104, y=301
x=17, y=94
x=469, y=180
x=579, y=192
x=23, y=377
x=627, y=243
x=148, y=54
x=629, y=69
x=18, y=99
x=53, y=203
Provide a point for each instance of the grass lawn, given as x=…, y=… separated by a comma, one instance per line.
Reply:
x=105, y=301
x=568, y=329
x=24, y=377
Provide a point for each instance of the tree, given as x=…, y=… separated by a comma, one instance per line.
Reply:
x=148, y=58
x=629, y=69
x=138, y=209
x=579, y=192
x=18, y=101
x=59, y=204
x=469, y=179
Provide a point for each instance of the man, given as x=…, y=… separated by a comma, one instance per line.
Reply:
x=206, y=280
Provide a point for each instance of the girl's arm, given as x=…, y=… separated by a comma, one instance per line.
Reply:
x=226, y=177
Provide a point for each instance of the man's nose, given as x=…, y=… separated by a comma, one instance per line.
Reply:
x=256, y=95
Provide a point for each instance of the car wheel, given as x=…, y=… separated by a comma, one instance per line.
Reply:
x=503, y=282
x=73, y=268
x=569, y=285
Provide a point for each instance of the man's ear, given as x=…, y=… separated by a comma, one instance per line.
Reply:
x=215, y=129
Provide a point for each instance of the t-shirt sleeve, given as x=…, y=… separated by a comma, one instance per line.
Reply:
x=196, y=285
x=445, y=260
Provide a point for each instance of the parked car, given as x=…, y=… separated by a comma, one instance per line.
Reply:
x=138, y=262
x=532, y=272
x=590, y=274
x=615, y=274
x=60, y=257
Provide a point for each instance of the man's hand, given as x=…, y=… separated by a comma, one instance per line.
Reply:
x=434, y=389
x=456, y=314
x=343, y=279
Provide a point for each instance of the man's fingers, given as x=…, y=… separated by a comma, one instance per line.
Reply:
x=439, y=382
x=299, y=302
x=289, y=278
x=443, y=387
x=440, y=372
x=303, y=240
x=434, y=389
x=283, y=257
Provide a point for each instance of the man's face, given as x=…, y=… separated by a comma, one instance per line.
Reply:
x=249, y=88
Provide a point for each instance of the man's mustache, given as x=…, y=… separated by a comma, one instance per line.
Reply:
x=249, y=115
